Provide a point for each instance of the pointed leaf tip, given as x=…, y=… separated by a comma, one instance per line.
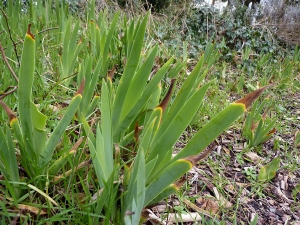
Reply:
x=166, y=99
x=178, y=184
x=29, y=32
x=250, y=98
x=9, y=112
x=272, y=131
x=81, y=88
x=111, y=73
x=196, y=158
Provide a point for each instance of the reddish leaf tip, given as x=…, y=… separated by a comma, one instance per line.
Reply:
x=178, y=184
x=29, y=32
x=166, y=99
x=9, y=112
x=272, y=131
x=250, y=98
x=196, y=158
x=81, y=88
x=136, y=131
x=111, y=74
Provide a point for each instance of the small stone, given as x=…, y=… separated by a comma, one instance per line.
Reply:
x=272, y=210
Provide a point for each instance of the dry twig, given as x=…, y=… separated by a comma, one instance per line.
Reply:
x=10, y=36
x=7, y=63
x=6, y=92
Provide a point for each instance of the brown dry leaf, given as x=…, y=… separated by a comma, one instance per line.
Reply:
x=283, y=183
x=32, y=209
x=280, y=194
x=226, y=141
x=230, y=188
x=238, y=147
x=245, y=200
x=253, y=126
x=253, y=157
x=208, y=204
x=148, y=215
x=226, y=150
x=183, y=218
x=241, y=184
x=80, y=198
x=96, y=195
x=159, y=208
x=222, y=200
x=81, y=165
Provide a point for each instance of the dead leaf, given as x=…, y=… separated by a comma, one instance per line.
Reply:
x=151, y=217
x=208, y=204
x=226, y=150
x=81, y=198
x=223, y=202
x=32, y=209
x=230, y=188
x=159, y=208
x=253, y=157
x=183, y=218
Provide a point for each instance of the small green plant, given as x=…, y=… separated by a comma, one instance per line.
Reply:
x=250, y=173
x=258, y=128
x=104, y=41
x=239, y=158
x=268, y=171
x=296, y=190
x=70, y=51
x=265, y=174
